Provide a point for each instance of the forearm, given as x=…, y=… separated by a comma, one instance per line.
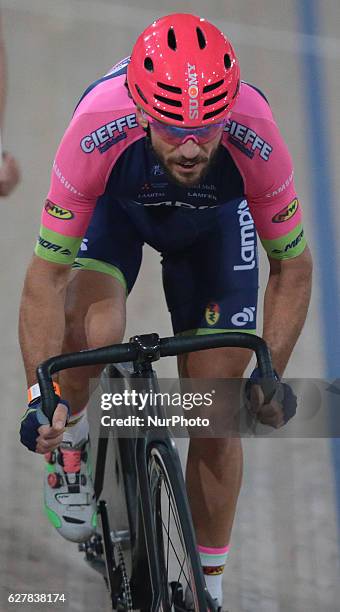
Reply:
x=286, y=304
x=42, y=320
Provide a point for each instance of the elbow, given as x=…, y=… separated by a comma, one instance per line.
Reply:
x=307, y=264
x=300, y=274
x=295, y=271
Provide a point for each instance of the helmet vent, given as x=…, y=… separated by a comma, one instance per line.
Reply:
x=201, y=38
x=215, y=112
x=168, y=114
x=167, y=101
x=213, y=86
x=216, y=98
x=170, y=88
x=148, y=64
x=227, y=61
x=141, y=93
x=172, y=42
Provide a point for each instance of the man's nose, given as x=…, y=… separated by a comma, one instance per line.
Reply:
x=190, y=148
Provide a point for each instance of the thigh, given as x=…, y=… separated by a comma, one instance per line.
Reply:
x=94, y=317
x=214, y=363
x=105, y=270
x=104, y=273
x=95, y=308
x=212, y=286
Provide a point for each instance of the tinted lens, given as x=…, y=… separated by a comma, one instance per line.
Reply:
x=176, y=135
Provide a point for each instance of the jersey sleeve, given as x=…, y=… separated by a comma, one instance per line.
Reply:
x=263, y=159
x=274, y=204
x=87, y=153
x=77, y=180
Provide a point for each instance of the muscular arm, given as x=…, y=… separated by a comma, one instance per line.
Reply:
x=286, y=303
x=42, y=322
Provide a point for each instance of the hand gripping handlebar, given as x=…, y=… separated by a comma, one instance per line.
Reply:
x=150, y=347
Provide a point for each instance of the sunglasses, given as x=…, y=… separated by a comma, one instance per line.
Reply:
x=177, y=135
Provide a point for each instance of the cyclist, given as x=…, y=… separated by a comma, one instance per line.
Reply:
x=170, y=148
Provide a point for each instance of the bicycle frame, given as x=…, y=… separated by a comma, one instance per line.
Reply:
x=134, y=453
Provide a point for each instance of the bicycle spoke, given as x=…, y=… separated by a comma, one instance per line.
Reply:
x=175, y=554
x=174, y=593
x=175, y=517
x=168, y=551
x=172, y=511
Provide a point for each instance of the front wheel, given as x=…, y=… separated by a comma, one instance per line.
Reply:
x=179, y=564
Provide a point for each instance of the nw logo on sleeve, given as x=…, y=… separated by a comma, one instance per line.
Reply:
x=287, y=212
x=57, y=211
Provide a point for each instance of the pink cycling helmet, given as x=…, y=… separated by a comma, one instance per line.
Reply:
x=184, y=71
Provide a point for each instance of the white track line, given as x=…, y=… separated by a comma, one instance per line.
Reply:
x=101, y=12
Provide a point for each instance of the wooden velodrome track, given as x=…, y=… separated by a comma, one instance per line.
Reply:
x=284, y=555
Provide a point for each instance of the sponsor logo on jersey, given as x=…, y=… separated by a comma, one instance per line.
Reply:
x=248, y=237
x=83, y=246
x=247, y=140
x=57, y=212
x=240, y=319
x=282, y=187
x=290, y=245
x=202, y=196
x=212, y=313
x=192, y=91
x=155, y=186
x=152, y=194
x=66, y=183
x=56, y=248
x=157, y=170
x=175, y=204
x=117, y=67
x=109, y=134
x=287, y=212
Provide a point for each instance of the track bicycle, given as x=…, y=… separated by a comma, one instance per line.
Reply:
x=138, y=562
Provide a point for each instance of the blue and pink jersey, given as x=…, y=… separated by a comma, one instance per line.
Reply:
x=105, y=153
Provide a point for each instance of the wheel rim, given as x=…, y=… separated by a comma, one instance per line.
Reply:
x=174, y=559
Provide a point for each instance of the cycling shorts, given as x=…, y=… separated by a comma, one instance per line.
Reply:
x=209, y=259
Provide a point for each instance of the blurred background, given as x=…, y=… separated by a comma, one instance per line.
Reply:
x=284, y=552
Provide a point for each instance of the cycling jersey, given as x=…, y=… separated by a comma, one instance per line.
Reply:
x=110, y=189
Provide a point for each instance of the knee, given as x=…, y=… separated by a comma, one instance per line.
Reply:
x=215, y=363
x=215, y=449
x=104, y=324
x=216, y=453
x=97, y=327
x=74, y=336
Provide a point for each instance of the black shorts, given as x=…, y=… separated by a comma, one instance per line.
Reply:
x=209, y=259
